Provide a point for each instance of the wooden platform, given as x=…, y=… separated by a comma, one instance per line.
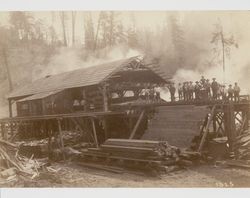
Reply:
x=58, y=116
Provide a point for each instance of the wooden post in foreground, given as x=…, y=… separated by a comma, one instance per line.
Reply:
x=94, y=131
x=137, y=125
x=61, y=138
x=203, y=139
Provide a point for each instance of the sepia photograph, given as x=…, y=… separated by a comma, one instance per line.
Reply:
x=125, y=99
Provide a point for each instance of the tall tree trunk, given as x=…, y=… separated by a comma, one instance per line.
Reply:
x=5, y=58
x=62, y=16
x=97, y=31
x=73, y=17
x=111, y=33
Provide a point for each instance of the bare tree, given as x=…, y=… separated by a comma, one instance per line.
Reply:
x=63, y=22
x=5, y=59
x=73, y=18
x=97, y=30
x=178, y=40
x=226, y=42
x=89, y=32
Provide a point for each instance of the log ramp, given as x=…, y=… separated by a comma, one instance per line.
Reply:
x=176, y=124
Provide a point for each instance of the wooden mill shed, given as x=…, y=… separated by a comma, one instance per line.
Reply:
x=88, y=89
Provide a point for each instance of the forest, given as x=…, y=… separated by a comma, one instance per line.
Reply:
x=186, y=44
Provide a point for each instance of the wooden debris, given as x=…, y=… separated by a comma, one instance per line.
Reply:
x=238, y=163
x=23, y=165
x=102, y=167
x=242, y=146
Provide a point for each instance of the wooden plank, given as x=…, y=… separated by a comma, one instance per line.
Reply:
x=137, y=125
x=125, y=149
x=132, y=143
x=102, y=167
x=61, y=138
x=203, y=139
x=94, y=131
x=238, y=163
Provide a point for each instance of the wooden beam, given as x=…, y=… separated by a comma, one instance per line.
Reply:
x=10, y=108
x=203, y=139
x=94, y=131
x=105, y=98
x=137, y=125
x=60, y=136
x=105, y=127
x=242, y=127
x=2, y=130
x=229, y=124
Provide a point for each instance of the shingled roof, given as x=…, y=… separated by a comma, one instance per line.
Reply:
x=77, y=78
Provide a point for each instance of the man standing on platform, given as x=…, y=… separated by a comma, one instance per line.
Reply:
x=191, y=90
x=236, y=92
x=180, y=91
x=208, y=89
x=197, y=90
x=230, y=92
x=214, y=87
x=223, y=92
x=185, y=95
x=202, y=81
x=172, y=91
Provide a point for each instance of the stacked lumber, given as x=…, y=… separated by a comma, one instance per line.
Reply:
x=242, y=146
x=157, y=154
x=12, y=163
x=140, y=148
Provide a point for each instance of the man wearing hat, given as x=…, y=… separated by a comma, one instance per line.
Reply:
x=185, y=91
x=236, y=92
x=202, y=81
x=180, y=91
x=230, y=92
x=191, y=90
x=214, y=87
x=172, y=91
x=223, y=92
x=208, y=89
x=197, y=90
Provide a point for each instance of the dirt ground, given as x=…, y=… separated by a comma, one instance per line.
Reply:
x=72, y=175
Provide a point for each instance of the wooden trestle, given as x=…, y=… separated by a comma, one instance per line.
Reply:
x=226, y=119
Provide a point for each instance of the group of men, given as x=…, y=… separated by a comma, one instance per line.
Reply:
x=204, y=90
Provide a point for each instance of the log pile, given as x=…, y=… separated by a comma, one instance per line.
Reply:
x=242, y=146
x=13, y=164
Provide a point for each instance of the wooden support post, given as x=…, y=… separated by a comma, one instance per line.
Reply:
x=10, y=108
x=203, y=139
x=94, y=131
x=105, y=98
x=48, y=130
x=214, y=123
x=105, y=127
x=242, y=127
x=137, y=125
x=61, y=138
x=2, y=130
x=247, y=116
x=5, y=133
x=229, y=123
